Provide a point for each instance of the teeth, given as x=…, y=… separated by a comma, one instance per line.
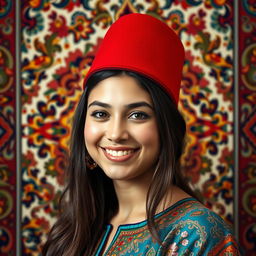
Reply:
x=119, y=152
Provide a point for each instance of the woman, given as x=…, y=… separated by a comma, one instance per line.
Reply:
x=125, y=194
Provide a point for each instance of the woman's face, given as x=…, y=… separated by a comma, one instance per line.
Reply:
x=121, y=133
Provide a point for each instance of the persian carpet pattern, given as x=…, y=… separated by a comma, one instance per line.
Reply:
x=247, y=119
x=7, y=130
x=59, y=40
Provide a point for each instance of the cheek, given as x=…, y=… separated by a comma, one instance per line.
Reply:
x=91, y=133
x=148, y=136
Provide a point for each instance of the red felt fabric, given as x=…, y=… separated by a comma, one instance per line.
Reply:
x=142, y=43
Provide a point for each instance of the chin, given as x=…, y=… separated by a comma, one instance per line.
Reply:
x=118, y=176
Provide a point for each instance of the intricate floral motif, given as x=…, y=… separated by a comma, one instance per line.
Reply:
x=7, y=129
x=6, y=69
x=247, y=120
x=32, y=25
x=196, y=23
x=250, y=7
x=222, y=22
x=249, y=67
x=186, y=228
x=5, y=8
x=58, y=25
x=81, y=26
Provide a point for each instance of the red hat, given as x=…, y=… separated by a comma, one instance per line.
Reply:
x=146, y=45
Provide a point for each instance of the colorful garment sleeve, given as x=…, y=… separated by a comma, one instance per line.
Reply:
x=200, y=232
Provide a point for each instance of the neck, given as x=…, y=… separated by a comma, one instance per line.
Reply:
x=132, y=196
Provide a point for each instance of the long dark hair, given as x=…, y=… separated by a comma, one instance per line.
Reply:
x=89, y=201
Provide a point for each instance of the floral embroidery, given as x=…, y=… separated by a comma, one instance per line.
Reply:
x=184, y=242
x=184, y=234
x=186, y=228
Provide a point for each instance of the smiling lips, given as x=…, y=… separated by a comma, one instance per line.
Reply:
x=119, y=154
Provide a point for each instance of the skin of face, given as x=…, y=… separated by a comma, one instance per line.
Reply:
x=121, y=133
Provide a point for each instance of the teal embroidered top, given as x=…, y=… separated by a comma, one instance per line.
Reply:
x=185, y=228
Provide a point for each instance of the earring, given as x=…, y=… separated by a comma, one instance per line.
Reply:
x=90, y=163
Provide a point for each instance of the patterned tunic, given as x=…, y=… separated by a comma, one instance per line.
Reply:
x=186, y=228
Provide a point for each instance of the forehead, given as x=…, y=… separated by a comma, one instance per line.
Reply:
x=119, y=89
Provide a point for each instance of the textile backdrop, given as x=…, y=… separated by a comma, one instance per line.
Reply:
x=58, y=43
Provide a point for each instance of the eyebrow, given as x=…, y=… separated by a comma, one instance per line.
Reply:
x=129, y=106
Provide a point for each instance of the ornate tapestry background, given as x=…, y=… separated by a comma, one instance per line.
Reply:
x=247, y=126
x=59, y=41
x=7, y=129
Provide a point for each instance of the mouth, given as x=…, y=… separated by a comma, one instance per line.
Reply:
x=119, y=154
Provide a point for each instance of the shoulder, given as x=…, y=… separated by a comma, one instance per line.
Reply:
x=189, y=211
x=190, y=227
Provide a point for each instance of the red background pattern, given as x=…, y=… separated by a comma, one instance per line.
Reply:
x=247, y=126
x=247, y=122
x=7, y=129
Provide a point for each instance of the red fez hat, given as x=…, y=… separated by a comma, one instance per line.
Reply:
x=146, y=45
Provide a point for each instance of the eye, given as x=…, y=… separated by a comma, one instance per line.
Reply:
x=139, y=116
x=100, y=115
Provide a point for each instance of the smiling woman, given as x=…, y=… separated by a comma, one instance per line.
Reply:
x=125, y=193
x=121, y=132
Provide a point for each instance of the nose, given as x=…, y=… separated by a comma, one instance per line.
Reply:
x=117, y=130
